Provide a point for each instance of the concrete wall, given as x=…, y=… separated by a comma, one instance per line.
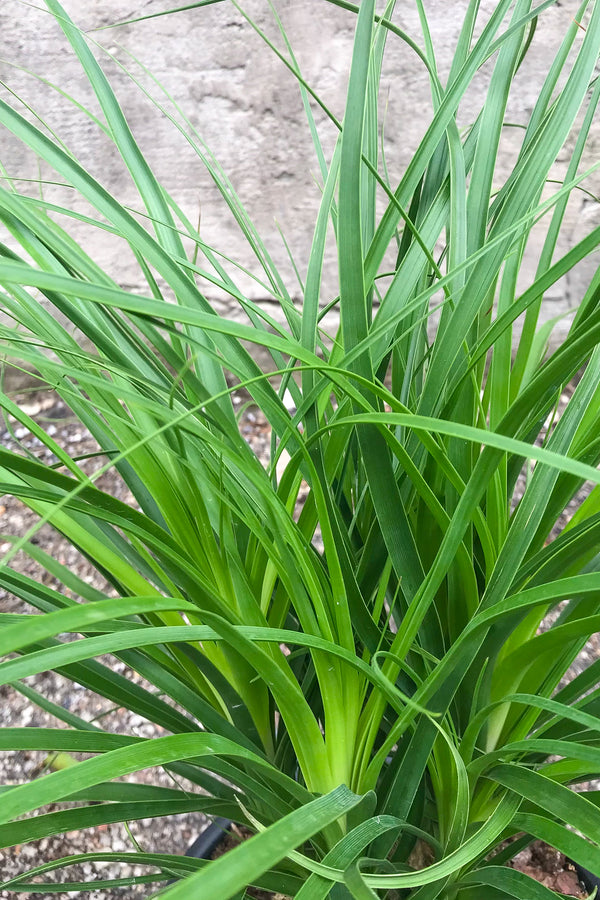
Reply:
x=247, y=107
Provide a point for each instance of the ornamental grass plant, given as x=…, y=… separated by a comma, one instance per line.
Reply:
x=365, y=677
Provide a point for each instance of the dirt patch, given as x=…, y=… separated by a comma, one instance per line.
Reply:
x=550, y=868
x=233, y=837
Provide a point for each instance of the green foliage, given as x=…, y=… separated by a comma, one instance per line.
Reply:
x=386, y=688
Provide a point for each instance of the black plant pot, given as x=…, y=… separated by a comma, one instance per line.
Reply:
x=587, y=878
x=208, y=841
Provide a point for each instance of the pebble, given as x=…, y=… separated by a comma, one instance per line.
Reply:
x=30, y=409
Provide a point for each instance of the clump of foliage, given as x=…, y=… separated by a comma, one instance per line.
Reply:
x=387, y=688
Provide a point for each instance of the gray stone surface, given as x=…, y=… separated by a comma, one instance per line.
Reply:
x=247, y=108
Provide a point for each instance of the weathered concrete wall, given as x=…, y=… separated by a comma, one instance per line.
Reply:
x=247, y=107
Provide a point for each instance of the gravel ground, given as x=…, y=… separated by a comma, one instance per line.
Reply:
x=170, y=835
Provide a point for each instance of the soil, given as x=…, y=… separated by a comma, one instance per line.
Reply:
x=232, y=838
x=167, y=835
x=539, y=861
x=549, y=867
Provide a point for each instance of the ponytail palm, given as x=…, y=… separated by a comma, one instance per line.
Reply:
x=360, y=674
